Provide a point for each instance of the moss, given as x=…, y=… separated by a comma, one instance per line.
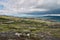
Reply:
x=33, y=25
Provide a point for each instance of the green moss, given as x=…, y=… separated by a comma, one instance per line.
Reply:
x=32, y=25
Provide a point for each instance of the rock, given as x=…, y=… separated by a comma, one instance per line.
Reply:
x=23, y=36
x=45, y=36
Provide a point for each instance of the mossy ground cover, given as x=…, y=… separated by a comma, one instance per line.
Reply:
x=33, y=25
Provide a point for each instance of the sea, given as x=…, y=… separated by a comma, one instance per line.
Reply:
x=52, y=18
x=55, y=18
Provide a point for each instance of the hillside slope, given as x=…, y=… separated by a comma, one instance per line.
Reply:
x=29, y=28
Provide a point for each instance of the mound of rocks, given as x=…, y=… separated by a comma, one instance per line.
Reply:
x=26, y=36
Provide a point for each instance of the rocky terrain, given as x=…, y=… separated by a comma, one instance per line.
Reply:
x=15, y=28
x=26, y=36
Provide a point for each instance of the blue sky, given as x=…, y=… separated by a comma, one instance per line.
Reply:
x=3, y=0
x=24, y=6
x=1, y=7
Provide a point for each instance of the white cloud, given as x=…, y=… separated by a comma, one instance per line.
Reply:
x=16, y=6
x=52, y=15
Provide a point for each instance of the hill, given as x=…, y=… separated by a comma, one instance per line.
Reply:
x=28, y=29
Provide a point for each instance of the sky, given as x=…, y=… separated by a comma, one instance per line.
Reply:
x=26, y=6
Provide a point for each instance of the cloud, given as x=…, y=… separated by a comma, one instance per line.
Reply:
x=51, y=15
x=22, y=6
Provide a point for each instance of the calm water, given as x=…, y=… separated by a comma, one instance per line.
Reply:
x=56, y=18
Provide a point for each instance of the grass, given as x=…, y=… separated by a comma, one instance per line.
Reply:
x=33, y=25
